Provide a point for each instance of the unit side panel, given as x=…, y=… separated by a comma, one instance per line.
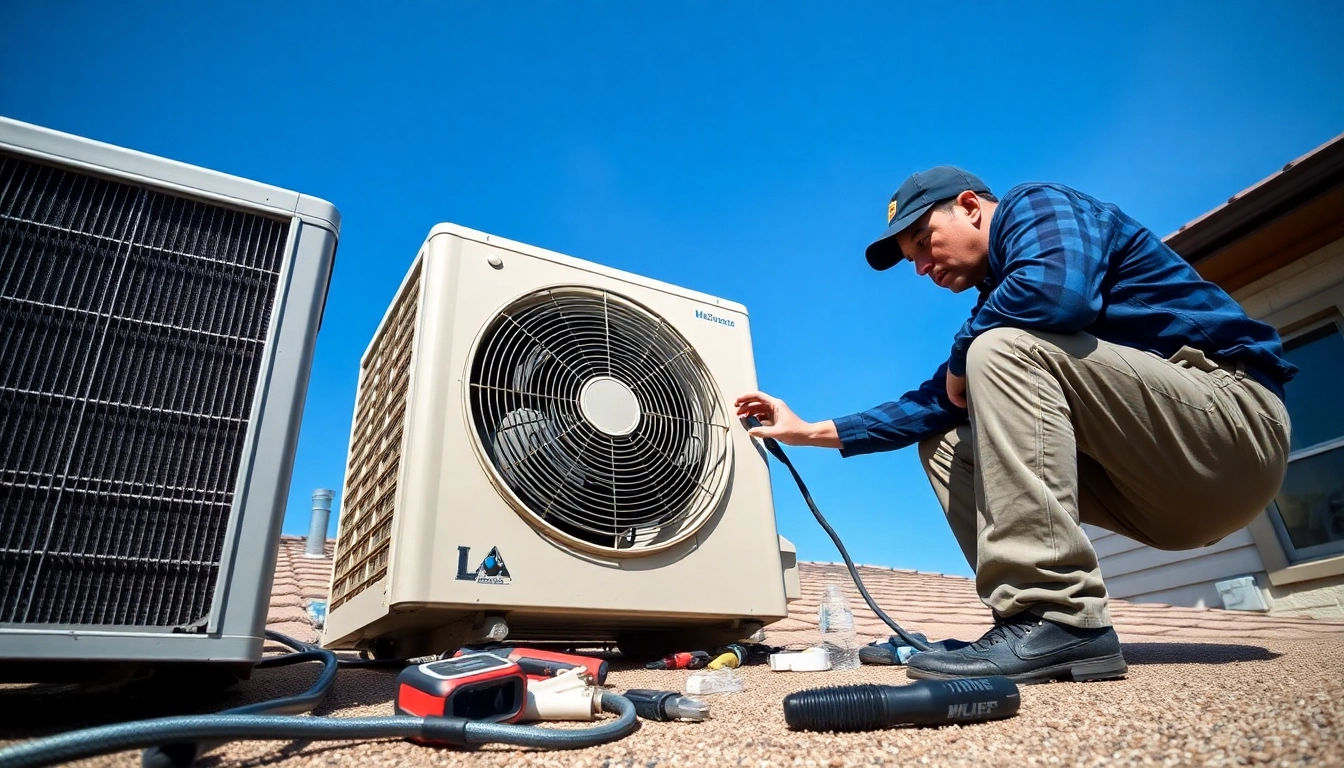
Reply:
x=375, y=455
x=430, y=423
x=251, y=548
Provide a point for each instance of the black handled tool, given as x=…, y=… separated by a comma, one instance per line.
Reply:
x=666, y=705
x=924, y=702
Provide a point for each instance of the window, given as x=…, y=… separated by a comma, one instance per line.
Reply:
x=1308, y=513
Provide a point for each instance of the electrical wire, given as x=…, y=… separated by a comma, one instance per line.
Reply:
x=457, y=731
x=772, y=446
x=183, y=754
x=175, y=742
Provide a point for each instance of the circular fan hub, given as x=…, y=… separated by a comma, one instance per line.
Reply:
x=609, y=405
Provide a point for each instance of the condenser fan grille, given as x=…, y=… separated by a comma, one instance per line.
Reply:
x=133, y=326
x=600, y=418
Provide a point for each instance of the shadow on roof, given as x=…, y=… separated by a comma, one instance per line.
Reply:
x=1195, y=653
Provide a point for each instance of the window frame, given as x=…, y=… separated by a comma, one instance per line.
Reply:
x=1294, y=554
x=1293, y=315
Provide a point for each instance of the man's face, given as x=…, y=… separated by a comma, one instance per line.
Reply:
x=950, y=246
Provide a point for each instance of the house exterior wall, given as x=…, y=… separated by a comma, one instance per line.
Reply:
x=1317, y=599
x=1305, y=288
x=1143, y=574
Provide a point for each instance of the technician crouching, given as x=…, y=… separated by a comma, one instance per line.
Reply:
x=1098, y=380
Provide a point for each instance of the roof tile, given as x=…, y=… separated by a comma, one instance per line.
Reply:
x=937, y=604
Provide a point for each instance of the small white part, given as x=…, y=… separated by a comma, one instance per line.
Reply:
x=493, y=629
x=810, y=660
x=1241, y=594
x=569, y=695
x=715, y=681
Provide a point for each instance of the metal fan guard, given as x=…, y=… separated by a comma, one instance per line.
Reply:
x=552, y=383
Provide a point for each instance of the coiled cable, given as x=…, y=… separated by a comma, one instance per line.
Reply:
x=178, y=741
x=91, y=742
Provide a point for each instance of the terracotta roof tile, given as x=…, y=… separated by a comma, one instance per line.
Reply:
x=939, y=605
x=298, y=580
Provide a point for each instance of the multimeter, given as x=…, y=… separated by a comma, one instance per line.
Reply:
x=478, y=686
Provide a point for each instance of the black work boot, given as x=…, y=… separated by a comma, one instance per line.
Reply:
x=1028, y=649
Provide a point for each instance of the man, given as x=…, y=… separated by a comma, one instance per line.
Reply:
x=1098, y=380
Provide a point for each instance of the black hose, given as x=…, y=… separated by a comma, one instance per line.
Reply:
x=383, y=663
x=183, y=754
x=360, y=663
x=772, y=446
x=551, y=738
x=91, y=742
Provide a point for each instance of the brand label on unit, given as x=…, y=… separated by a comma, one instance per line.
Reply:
x=492, y=569
x=703, y=315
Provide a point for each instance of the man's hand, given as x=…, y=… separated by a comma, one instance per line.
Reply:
x=956, y=390
x=782, y=424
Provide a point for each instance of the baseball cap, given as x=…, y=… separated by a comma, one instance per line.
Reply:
x=916, y=195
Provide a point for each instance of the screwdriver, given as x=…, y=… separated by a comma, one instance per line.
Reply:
x=924, y=702
x=730, y=656
x=688, y=660
x=666, y=705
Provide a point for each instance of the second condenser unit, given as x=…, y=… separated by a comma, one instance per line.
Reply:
x=545, y=448
x=157, y=328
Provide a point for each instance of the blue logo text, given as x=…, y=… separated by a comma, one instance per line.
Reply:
x=703, y=315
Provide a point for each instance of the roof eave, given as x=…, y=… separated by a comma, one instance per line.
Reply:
x=1300, y=181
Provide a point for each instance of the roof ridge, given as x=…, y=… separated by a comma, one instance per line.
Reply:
x=893, y=569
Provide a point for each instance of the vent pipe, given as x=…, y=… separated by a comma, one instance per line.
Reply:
x=317, y=529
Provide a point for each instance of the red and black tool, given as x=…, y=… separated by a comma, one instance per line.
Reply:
x=480, y=687
x=688, y=660
x=538, y=664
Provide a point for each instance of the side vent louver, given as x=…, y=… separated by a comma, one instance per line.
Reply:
x=375, y=452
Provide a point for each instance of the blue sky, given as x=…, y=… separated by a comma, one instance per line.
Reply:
x=743, y=149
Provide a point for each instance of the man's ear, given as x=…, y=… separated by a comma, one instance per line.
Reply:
x=969, y=202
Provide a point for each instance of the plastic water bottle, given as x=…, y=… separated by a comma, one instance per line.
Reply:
x=837, y=628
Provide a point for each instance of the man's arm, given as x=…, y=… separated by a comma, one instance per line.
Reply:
x=1054, y=254
x=891, y=426
x=778, y=421
x=916, y=415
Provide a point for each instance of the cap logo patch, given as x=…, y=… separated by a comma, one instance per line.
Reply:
x=891, y=211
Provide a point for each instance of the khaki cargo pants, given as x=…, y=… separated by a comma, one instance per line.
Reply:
x=1068, y=428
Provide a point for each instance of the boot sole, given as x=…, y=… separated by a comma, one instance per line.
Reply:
x=1099, y=668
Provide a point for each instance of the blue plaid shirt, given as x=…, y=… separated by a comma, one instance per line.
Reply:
x=1063, y=262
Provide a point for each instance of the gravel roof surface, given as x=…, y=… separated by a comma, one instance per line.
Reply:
x=1205, y=687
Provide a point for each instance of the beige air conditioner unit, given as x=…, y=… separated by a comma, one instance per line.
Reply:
x=545, y=449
